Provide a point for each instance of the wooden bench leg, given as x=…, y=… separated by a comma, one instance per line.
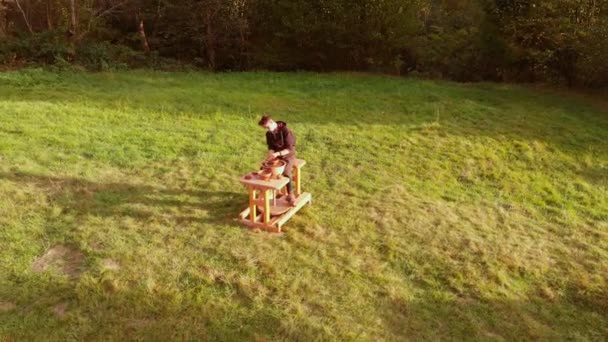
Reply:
x=267, y=206
x=298, y=175
x=252, y=207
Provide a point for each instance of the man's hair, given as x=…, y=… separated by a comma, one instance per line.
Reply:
x=264, y=120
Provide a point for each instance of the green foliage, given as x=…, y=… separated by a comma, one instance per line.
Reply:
x=52, y=48
x=557, y=41
x=46, y=47
x=560, y=41
x=591, y=65
x=365, y=35
x=103, y=56
x=457, y=38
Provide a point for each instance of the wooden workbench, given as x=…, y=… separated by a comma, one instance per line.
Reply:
x=268, y=208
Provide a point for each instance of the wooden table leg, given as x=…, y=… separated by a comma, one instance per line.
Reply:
x=267, y=206
x=252, y=208
x=298, y=181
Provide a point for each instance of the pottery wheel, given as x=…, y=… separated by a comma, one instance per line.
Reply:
x=280, y=208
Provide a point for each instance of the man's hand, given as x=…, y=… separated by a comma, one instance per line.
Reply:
x=271, y=155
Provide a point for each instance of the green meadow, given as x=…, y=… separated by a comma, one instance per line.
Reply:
x=441, y=211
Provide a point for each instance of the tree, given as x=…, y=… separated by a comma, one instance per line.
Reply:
x=465, y=40
x=26, y=20
x=3, y=19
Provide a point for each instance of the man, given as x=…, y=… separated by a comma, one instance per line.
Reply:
x=281, y=145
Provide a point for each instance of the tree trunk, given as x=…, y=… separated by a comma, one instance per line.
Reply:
x=27, y=22
x=73, y=23
x=3, y=20
x=142, y=34
x=242, y=44
x=210, y=41
x=49, y=21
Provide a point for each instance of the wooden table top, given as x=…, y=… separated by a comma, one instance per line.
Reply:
x=256, y=182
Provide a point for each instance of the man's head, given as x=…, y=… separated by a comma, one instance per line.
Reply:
x=268, y=123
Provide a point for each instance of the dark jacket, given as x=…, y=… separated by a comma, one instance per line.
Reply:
x=282, y=138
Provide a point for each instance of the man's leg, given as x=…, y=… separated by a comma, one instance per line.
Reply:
x=288, y=173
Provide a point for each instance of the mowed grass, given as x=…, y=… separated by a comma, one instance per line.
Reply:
x=441, y=210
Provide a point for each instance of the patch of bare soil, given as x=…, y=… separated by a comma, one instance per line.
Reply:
x=65, y=259
x=60, y=310
x=7, y=306
x=110, y=264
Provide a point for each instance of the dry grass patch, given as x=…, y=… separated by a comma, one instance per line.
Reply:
x=67, y=260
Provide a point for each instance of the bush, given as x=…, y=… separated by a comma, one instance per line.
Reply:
x=45, y=48
x=591, y=67
x=54, y=49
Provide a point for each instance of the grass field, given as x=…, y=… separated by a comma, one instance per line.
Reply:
x=441, y=210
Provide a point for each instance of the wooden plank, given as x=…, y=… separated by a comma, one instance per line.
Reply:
x=244, y=213
x=300, y=202
x=260, y=225
x=300, y=162
x=265, y=184
x=274, y=221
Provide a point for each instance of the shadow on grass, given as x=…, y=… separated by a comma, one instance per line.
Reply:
x=497, y=319
x=111, y=307
x=101, y=309
x=596, y=175
x=82, y=197
x=114, y=312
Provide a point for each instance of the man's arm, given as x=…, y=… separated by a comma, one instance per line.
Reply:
x=271, y=152
x=289, y=140
x=279, y=153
